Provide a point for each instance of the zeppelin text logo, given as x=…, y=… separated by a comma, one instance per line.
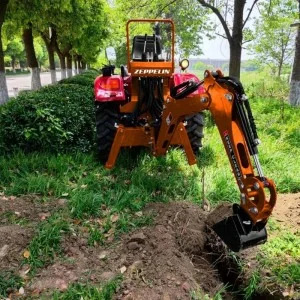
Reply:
x=152, y=71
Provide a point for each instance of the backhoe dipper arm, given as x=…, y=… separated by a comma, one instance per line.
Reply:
x=229, y=107
x=228, y=104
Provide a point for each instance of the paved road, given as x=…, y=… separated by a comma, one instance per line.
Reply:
x=18, y=83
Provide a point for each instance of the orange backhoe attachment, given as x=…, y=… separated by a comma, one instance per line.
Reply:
x=224, y=97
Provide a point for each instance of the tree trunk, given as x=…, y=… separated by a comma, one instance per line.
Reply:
x=69, y=65
x=79, y=59
x=3, y=86
x=83, y=66
x=62, y=61
x=62, y=58
x=235, y=43
x=75, y=64
x=13, y=63
x=50, y=43
x=294, y=97
x=31, y=58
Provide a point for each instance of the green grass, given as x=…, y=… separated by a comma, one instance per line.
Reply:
x=45, y=245
x=9, y=283
x=253, y=285
x=94, y=193
x=82, y=291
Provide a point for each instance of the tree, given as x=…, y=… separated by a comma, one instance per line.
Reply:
x=190, y=26
x=274, y=38
x=15, y=50
x=233, y=31
x=23, y=14
x=294, y=97
x=3, y=85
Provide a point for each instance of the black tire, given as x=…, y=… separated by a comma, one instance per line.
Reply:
x=194, y=128
x=107, y=119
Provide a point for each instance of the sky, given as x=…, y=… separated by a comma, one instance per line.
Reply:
x=219, y=47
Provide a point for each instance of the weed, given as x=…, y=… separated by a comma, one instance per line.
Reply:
x=95, y=236
x=201, y=295
x=9, y=283
x=87, y=291
x=10, y=217
x=46, y=244
x=253, y=285
x=281, y=256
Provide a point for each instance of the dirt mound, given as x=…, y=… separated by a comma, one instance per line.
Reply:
x=287, y=210
x=13, y=242
x=167, y=260
x=26, y=208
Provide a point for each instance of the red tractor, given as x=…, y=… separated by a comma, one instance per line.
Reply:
x=151, y=105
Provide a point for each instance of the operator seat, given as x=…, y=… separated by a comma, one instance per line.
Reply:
x=141, y=42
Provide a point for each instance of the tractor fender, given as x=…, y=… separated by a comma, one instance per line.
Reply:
x=109, y=88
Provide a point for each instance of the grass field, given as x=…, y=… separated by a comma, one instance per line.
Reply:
x=89, y=190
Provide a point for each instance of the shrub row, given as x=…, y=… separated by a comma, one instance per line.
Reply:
x=56, y=118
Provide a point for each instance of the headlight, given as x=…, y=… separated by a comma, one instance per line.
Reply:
x=184, y=64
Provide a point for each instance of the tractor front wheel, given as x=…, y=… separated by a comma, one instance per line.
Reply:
x=194, y=128
x=107, y=119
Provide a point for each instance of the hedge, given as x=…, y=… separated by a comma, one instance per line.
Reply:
x=56, y=118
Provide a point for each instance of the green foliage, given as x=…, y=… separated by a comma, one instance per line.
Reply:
x=85, y=79
x=274, y=25
x=9, y=282
x=188, y=25
x=45, y=245
x=281, y=258
x=252, y=285
x=87, y=291
x=55, y=118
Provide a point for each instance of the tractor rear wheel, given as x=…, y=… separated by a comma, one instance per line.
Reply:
x=107, y=119
x=194, y=128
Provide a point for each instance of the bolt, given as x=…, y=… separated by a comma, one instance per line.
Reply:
x=203, y=100
x=229, y=97
x=253, y=210
x=243, y=198
x=256, y=186
x=244, y=97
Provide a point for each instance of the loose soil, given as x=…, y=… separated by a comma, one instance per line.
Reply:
x=171, y=259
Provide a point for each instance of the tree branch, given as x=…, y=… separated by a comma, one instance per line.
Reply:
x=220, y=17
x=221, y=35
x=247, y=41
x=249, y=13
x=165, y=6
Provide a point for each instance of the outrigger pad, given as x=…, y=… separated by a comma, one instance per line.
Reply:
x=238, y=233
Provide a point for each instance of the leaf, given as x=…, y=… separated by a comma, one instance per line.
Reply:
x=21, y=291
x=114, y=218
x=65, y=194
x=138, y=213
x=84, y=186
x=26, y=254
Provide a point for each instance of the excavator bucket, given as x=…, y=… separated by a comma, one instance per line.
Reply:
x=238, y=232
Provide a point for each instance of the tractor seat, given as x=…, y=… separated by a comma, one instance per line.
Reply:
x=139, y=44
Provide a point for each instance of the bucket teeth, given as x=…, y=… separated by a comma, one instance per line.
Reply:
x=235, y=233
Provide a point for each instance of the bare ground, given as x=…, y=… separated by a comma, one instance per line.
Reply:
x=167, y=260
